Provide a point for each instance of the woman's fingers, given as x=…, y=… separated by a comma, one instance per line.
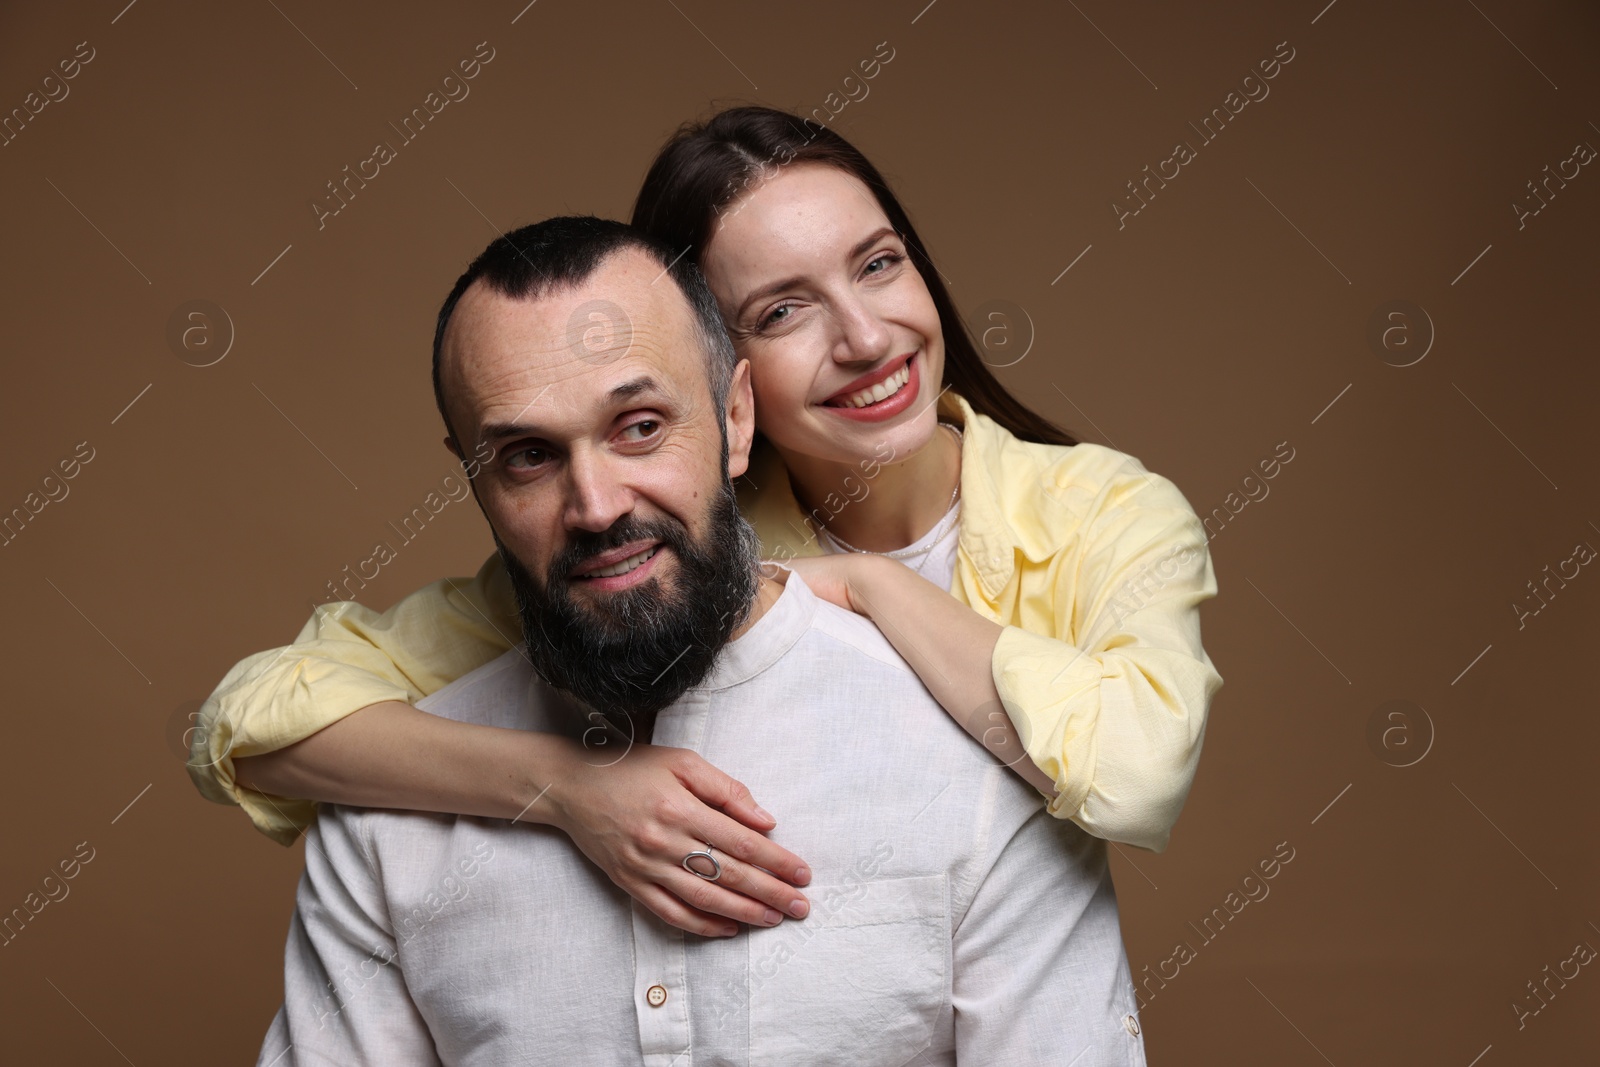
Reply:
x=704, y=907
x=671, y=910
x=745, y=845
x=754, y=891
x=720, y=791
x=669, y=803
x=713, y=899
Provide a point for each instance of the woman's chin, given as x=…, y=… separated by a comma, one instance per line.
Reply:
x=866, y=445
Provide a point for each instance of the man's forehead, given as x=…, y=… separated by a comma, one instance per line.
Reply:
x=627, y=297
x=571, y=346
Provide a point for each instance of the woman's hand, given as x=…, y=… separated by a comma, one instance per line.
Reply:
x=836, y=577
x=638, y=818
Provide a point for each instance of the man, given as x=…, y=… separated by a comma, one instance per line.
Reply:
x=953, y=920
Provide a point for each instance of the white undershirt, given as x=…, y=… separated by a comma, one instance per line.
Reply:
x=933, y=555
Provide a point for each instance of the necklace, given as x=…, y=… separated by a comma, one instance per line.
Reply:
x=932, y=537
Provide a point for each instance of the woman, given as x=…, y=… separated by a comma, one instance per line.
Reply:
x=1046, y=592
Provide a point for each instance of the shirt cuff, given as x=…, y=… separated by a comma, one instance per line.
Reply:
x=1039, y=680
x=227, y=732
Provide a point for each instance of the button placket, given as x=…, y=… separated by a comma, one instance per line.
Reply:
x=660, y=995
x=660, y=962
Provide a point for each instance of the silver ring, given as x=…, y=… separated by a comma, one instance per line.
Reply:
x=716, y=867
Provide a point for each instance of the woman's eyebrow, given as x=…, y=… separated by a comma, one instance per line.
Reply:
x=775, y=288
x=869, y=240
x=768, y=291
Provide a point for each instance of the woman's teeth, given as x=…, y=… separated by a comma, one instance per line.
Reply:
x=625, y=566
x=882, y=391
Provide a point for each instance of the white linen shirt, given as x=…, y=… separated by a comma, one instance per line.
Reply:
x=953, y=919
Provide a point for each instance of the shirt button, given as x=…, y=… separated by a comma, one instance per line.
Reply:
x=656, y=995
x=1129, y=1023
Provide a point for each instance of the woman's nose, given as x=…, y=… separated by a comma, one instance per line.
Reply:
x=863, y=335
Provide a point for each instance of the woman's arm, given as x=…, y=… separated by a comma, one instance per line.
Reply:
x=392, y=755
x=327, y=719
x=635, y=819
x=1107, y=690
x=1110, y=684
x=950, y=646
x=346, y=657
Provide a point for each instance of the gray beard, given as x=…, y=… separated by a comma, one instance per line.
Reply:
x=629, y=654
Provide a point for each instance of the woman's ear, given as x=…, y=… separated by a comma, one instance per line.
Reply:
x=740, y=414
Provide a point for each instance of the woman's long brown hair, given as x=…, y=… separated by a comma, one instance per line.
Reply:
x=705, y=166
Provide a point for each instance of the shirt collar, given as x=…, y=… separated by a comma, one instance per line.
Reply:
x=767, y=641
x=987, y=538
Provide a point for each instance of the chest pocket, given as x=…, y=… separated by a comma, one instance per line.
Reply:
x=863, y=980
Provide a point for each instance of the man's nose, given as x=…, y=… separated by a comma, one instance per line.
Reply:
x=597, y=496
x=863, y=336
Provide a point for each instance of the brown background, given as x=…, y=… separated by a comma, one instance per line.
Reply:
x=1223, y=319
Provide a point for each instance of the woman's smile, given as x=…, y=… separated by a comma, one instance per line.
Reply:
x=880, y=395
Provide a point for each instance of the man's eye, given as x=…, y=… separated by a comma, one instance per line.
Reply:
x=644, y=429
x=525, y=458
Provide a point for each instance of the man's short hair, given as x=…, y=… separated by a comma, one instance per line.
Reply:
x=561, y=253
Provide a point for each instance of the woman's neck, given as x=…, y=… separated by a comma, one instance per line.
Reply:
x=882, y=511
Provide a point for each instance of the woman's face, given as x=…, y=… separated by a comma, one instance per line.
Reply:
x=820, y=295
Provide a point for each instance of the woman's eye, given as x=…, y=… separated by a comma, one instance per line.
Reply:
x=884, y=262
x=887, y=260
x=775, y=316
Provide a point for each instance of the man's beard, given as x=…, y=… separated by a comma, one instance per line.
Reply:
x=630, y=653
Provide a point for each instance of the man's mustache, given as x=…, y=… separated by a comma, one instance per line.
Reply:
x=631, y=653
x=584, y=545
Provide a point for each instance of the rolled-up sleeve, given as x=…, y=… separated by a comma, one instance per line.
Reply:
x=345, y=658
x=1115, y=709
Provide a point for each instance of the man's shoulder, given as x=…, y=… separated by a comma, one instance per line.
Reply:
x=858, y=634
x=503, y=692
x=853, y=639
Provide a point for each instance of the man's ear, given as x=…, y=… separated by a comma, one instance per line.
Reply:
x=455, y=449
x=740, y=413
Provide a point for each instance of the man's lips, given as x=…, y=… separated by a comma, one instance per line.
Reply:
x=613, y=557
x=867, y=381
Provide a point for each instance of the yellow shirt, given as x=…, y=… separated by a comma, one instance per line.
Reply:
x=1095, y=567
